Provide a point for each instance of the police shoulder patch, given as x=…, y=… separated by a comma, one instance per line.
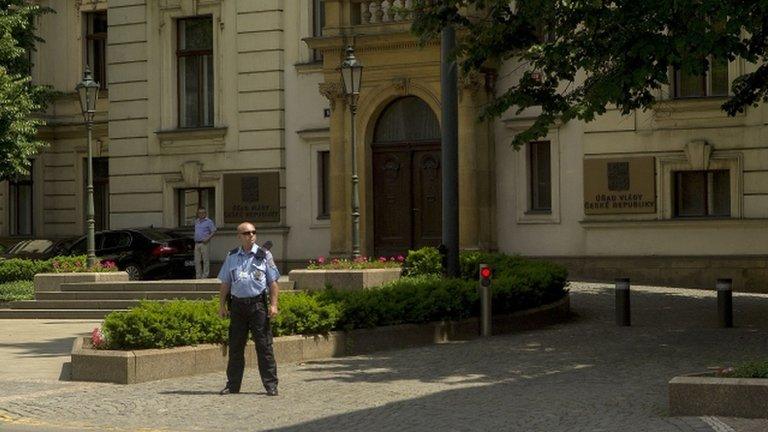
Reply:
x=233, y=251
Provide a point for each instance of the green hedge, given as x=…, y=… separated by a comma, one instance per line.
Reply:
x=753, y=369
x=523, y=285
x=16, y=269
x=17, y=290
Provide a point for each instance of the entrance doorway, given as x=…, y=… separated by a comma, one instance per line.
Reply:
x=407, y=185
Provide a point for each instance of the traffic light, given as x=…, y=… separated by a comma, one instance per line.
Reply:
x=485, y=275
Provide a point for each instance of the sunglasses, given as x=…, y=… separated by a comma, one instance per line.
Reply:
x=247, y=233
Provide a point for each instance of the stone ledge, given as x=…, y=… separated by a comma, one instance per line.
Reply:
x=53, y=281
x=343, y=280
x=706, y=395
x=130, y=367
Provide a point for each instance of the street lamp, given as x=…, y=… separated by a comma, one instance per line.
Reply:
x=88, y=90
x=351, y=75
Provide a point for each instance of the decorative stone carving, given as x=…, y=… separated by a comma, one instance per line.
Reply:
x=402, y=85
x=190, y=172
x=332, y=91
x=698, y=153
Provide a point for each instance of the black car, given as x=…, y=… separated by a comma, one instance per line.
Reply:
x=144, y=253
x=37, y=249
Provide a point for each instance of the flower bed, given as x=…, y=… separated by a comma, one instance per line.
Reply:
x=407, y=300
x=707, y=394
x=359, y=263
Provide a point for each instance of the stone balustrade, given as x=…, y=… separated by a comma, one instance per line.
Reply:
x=383, y=11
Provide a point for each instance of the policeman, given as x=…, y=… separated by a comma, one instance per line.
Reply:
x=245, y=276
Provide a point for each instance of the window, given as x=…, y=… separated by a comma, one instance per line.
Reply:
x=324, y=184
x=96, y=45
x=100, y=191
x=118, y=239
x=702, y=193
x=713, y=83
x=189, y=200
x=20, y=205
x=318, y=22
x=539, y=177
x=195, y=72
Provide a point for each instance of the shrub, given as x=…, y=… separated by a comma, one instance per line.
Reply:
x=302, y=313
x=359, y=263
x=78, y=264
x=154, y=324
x=753, y=369
x=425, y=261
x=16, y=269
x=17, y=290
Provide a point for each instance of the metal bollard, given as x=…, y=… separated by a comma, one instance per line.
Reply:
x=485, y=300
x=725, y=302
x=623, y=310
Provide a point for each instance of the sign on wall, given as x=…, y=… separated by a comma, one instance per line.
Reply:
x=253, y=197
x=619, y=186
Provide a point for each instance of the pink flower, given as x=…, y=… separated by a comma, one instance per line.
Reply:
x=321, y=260
x=382, y=259
x=400, y=258
x=97, y=338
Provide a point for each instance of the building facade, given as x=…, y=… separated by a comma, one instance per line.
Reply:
x=238, y=106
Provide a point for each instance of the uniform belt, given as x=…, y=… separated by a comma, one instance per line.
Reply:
x=248, y=300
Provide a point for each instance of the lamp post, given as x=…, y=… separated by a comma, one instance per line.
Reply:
x=351, y=75
x=88, y=90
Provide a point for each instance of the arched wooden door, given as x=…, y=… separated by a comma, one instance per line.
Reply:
x=407, y=186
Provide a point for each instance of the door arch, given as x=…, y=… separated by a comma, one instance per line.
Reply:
x=407, y=178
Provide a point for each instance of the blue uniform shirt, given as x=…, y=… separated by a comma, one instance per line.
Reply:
x=247, y=274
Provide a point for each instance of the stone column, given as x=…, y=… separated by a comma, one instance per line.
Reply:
x=470, y=137
x=340, y=170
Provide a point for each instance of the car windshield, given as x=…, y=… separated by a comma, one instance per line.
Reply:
x=31, y=246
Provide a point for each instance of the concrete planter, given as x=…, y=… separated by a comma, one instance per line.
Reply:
x=707, y=395
x=130, y=367
x=53, y=281
x=344, y=280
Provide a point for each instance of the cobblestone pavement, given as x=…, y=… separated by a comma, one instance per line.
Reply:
x=586, y=375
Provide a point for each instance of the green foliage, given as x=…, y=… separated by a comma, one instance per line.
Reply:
x=17, y=269
x=359, y=263
x=19, y=98
x=625, y=49
x=155, y=324
x=18, y=290
x=302, y=313
x=78, y=264
x=522, y=284
x=754, y=369
x=425, y=261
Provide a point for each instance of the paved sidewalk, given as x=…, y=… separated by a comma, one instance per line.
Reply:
x=38, y=349
x=587, y=375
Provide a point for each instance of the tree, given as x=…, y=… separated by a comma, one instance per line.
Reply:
x=20, y=100
x=582, y=56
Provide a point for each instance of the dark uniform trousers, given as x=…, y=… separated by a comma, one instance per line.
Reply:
x=250, y=314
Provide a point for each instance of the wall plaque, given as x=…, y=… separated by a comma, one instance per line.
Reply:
x=253, y=197
x=619, y=186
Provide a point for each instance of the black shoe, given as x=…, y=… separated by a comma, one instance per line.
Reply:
x=227, y=390
x=272, y=392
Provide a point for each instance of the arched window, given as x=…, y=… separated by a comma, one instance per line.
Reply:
x=408, y=119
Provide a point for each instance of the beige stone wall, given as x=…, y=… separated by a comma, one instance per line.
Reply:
x=664, y=132
x=306, y=134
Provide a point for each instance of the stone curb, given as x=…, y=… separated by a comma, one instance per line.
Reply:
x=706, y=395
x=130, y=367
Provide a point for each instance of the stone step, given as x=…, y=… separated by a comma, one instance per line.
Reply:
x=125, y=295
x=74, y=304
x=131, y=295
x=53, y=313
x=167, y=285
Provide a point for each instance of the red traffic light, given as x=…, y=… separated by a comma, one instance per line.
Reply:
x=485, y=272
